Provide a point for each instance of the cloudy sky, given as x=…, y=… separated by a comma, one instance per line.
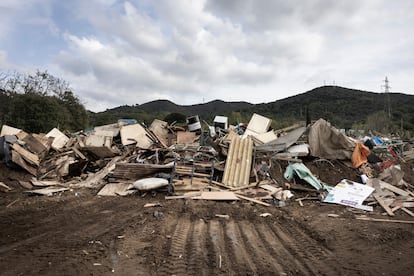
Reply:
x=193, y=51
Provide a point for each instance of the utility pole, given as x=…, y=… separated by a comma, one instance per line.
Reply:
x=387, y=92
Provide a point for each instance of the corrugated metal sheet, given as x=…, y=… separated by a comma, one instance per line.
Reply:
x=239, y=162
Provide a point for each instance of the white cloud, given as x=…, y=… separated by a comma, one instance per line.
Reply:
x=128, y=52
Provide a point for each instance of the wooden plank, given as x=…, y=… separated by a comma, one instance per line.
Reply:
x=47, y=191
x=36, y=182
x=383, y=205
x=407, y=211
x=34, y=145
x=4, y=187
x=244, y=187
x=394, y=189
x=224, y=195
x=27, y=155
x=385, y=220
x=408, y=204
x=115, y=189
x=395, y=208
x=287, y=159
x=253, y=200
x=78, y=153
x=18, y=159
x=186, y=195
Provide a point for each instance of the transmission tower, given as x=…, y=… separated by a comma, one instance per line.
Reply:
x=387, y=92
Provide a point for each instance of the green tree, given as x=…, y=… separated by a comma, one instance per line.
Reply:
x=175, y=117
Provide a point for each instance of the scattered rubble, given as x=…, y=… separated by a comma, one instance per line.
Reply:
x=256, y=163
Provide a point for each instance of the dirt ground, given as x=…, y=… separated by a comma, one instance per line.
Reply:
x=79, y=233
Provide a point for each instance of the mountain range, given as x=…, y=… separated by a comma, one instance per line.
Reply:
x=342, y=106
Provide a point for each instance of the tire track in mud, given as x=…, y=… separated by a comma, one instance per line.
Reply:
x=240, y=247
x=317, y=259
x=176, y=260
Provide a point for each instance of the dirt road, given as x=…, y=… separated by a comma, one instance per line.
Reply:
x=78, y=233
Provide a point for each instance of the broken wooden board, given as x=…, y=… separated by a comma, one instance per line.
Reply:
x=134, y=171
x=47, y=191
x=34, y=145
x=26, y=184
x=383, y=204
x=94, y=179
x=385, y=220
x=59, y=140
x=135, y=134
x=271, y=188
x=116, y=189
x=100, y=152
x=408, y=204
x=4, y=188
x=186, y=137
x=225, y=195
x=264, y=138
x=253, y=200
x=392, y=188
x=160, y=130
x=407, y=211
x=79, y=154
x=8, y=130
x=44, y=183
x=184, y=196
x=27, y=155
x=18, y=160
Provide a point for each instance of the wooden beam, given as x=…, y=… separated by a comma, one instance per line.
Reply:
x=407, y=211
x=385, y=220
x=394, y=189
x=27, y=155
x=253, y=200
x=383, y=205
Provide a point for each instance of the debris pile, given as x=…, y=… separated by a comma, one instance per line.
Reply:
x=245, y=162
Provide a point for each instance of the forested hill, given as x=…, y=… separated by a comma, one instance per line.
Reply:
x=342, y=106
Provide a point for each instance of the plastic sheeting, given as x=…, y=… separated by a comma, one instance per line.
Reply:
x=304, y=173
x=327, y=142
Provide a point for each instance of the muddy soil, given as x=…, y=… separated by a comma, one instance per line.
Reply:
x=79, y=233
